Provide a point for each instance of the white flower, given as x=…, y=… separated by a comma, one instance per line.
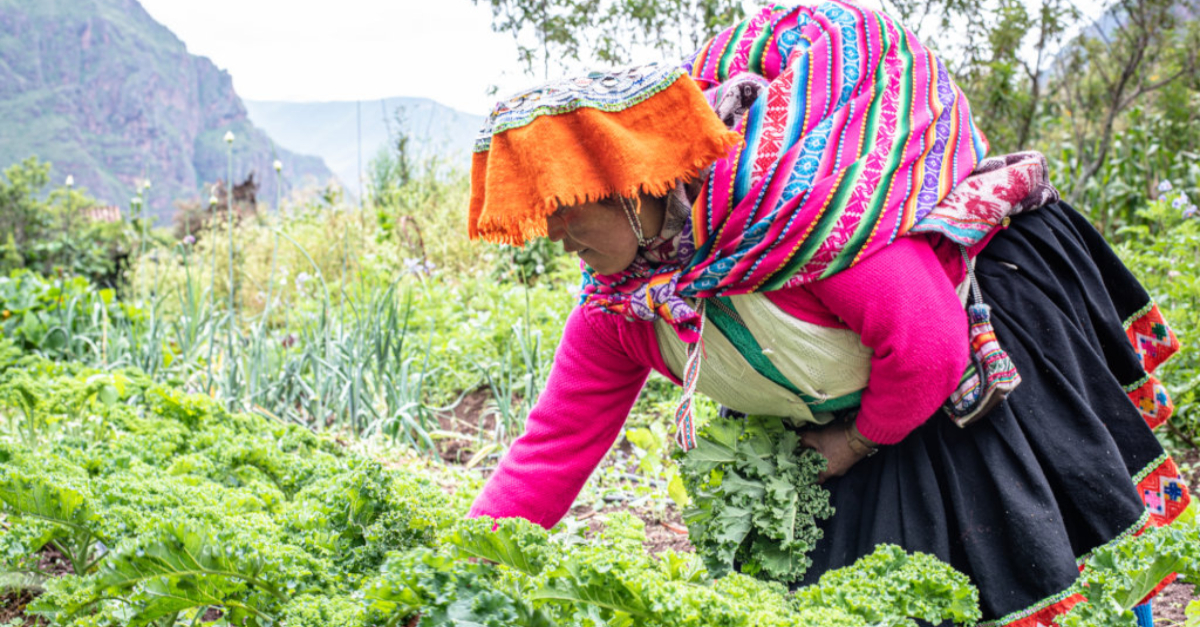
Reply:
x=302, y=279
x=70, y=181
x=146, y=185
x=212, y=201
x=229, y=137
x=1165, y=186
x=1173, y=273
x=413, y=265
x=1179, y=202
x=540, y=269
x=278, y=165
x=1189, y=212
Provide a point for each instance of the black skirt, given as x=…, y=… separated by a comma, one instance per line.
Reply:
x=1068, y=463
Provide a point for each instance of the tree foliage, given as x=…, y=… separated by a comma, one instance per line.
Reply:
x=1040, y=74
x=553, y=37
x=44, y=231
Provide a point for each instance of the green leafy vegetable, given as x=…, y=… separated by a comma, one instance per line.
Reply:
x=890, y=586
x=755, y=498
x=1119, y=575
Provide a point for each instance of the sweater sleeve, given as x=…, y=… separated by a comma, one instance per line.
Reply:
x=903, y=304
x=592, y=386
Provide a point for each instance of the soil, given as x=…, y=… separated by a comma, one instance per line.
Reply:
x=55, y=563
x=1190, y=459
x=13, y=604
x=1170, y=603
x=663, y=532
x=12, y=607
x=467, y=419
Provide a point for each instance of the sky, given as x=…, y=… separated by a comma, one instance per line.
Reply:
x=307, y=51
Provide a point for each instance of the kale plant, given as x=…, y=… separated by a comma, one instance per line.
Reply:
x=755, y=498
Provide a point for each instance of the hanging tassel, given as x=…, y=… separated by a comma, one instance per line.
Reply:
x=991, y=375
x=685, y=417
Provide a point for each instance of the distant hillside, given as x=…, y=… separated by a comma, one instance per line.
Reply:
x=330, y=129
x=112, y=97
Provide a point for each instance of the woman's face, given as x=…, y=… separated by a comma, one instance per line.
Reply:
x=599, y=233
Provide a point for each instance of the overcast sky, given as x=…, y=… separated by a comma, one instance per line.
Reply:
x=315, y=50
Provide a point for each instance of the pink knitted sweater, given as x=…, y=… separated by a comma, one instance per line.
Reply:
x=901, y=300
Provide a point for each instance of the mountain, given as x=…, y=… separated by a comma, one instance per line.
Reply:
x=330, y=129
x=112, y=97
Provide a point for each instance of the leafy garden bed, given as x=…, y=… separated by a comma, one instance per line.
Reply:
x=127, y=502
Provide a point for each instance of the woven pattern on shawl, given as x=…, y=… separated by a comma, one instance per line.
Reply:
x=858, y=134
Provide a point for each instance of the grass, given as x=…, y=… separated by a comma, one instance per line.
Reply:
x=324, y=332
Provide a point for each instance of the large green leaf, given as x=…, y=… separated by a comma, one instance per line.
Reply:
x=180, y=566
x=515, y=543
x=21, y=581
x=52, y=500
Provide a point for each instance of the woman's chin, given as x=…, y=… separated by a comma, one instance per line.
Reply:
x=602, y=267
x=604, y=264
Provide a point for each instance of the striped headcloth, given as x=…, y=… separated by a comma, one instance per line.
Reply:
x=852, y=132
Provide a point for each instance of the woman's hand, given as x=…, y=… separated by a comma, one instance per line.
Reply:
x=833, y=442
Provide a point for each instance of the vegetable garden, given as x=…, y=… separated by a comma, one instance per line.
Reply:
x=298, y=446
x=279, y=416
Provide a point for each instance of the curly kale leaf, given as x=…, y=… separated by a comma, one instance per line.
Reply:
x=890, y=586
x=1120, y=575
x=180, y=567
x=515, y=543
x=445, y=592
x=755, y=498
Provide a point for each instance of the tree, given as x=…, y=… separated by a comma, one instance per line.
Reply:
x=46, y=231
x=1141, y=47
x=22, y=212
x=609, y=32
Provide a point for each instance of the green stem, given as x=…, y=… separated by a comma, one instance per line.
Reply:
x=212, y=293
x=229, y=360
x=70, y=555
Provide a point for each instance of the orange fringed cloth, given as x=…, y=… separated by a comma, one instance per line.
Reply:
x=583, y=139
